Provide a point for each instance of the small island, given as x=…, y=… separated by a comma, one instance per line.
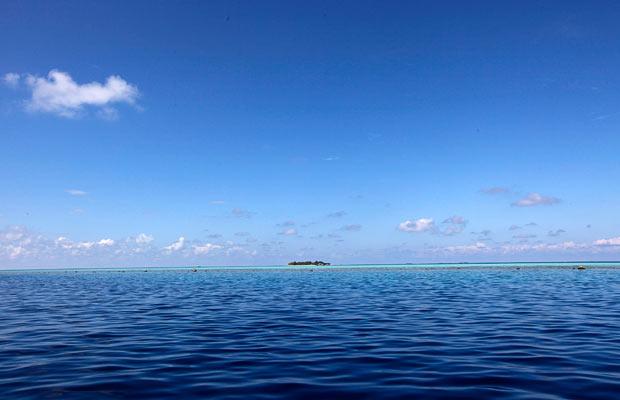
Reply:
x=317, y=263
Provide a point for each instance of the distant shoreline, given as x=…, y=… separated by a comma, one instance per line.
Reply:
x=472, y=265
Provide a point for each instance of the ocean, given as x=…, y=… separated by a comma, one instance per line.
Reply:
x=452, y=331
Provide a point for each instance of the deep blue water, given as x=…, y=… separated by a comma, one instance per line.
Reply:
x=310, y=333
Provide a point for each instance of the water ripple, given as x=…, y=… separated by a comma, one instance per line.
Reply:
x=537, y=333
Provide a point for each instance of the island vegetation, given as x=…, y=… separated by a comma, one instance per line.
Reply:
x=317, y=263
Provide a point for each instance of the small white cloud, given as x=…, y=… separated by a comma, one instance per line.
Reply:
x=143, y=238
x=217, y=202
x=418, y=225
x=615, y=241
x=175, y=246
x=535, y=199
x=106, y=242
x=11, y=79
x=76, y=192
x=289, y=232
x=206, y=248
x=59, y=94
x=557, y=232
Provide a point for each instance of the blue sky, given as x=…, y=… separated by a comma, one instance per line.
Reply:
x=162, y=133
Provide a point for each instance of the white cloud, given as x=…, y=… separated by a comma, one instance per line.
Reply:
x=106, y=242
x=76, y=192
x=59, y=94
x=418, y=225
x=206, y=248
x=11, y=79
x=535, y=199
x=615, y=241
x=337, y=214
x=175, y=246
x=557, y=232
x=143, y=238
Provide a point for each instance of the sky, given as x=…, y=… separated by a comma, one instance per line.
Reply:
x=162, y=133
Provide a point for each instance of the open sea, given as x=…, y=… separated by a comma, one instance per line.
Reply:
x=471, y=331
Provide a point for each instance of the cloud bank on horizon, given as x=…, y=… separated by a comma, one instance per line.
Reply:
x=21, y=247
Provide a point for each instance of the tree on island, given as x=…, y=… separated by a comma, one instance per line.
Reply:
x=317, y=263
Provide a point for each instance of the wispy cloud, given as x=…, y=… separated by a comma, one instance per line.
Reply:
x=524, y=236
x=286, y=224
x=337, y=214
x=59, y=94
x=480, y=248
x=495, y=190
x=11, y=79
x=241, y=213
x=76, y=192
x=351, y=228
x=453, y=225
x=536, y=199
x=483, y=234
x=556, y=232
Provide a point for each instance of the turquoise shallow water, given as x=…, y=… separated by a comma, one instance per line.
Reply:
x=425, y=331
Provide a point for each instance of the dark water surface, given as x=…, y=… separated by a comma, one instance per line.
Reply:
x=472, y=333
